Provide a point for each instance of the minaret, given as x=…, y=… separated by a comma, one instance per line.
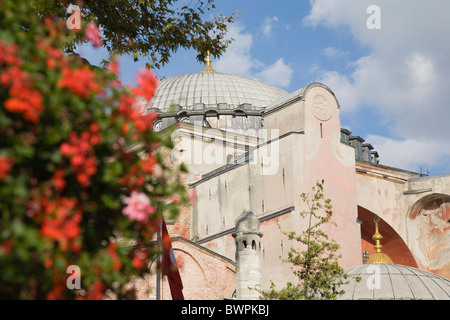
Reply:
x=208, y=67
x=248, y=256
x=378, y=257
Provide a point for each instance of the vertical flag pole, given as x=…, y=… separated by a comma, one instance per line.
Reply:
x=158, y=263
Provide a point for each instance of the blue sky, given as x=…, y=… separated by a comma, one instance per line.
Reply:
x=392, y=83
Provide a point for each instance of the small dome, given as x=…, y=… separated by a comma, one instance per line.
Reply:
x=394, y=282
x=212, y=88
x=247, y=223
x=379, y=258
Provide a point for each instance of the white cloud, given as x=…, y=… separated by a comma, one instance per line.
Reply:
x=411, y=154
x=277, y=74
x=268, y=25
x=421, y=70
x=404, y=76
x=334, y=53
x=343, y=86
x=239, y=60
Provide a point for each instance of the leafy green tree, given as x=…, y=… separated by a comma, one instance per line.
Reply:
x=151, y=28
x=316, y=267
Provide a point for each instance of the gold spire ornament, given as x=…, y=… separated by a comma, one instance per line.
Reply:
x=208, y=67
x=378, y=257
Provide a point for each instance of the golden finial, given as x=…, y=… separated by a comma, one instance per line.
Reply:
x=208, y=67
x=378, y=257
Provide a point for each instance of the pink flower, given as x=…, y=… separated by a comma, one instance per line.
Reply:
x=138, y=206
x=93, y=34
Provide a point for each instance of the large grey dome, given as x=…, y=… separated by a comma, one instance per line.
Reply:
x=396, y=282
x=211, y=89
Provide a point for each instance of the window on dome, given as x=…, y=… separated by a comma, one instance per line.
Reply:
x=157, y=126
x=184, y=119
x=365, y=256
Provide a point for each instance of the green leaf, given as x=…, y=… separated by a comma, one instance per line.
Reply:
x=109, y=201
x=17, y=228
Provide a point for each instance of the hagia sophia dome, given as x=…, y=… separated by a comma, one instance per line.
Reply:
x=213, y=99
x=212, y=89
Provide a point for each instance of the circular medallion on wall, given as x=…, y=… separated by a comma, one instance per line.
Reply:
x=321, y=108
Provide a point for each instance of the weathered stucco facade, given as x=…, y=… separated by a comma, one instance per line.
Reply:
x=274, y=153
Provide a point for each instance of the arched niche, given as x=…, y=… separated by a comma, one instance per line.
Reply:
x=436, y=203
x=428, y=226
x=393, y=245
x=192, y=274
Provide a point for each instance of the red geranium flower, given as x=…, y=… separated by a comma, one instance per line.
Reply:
x=80, y=81
x=5, y=165
x=147, y=83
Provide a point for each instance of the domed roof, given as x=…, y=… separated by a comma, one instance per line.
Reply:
x=212, y=88
x=394, y=282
